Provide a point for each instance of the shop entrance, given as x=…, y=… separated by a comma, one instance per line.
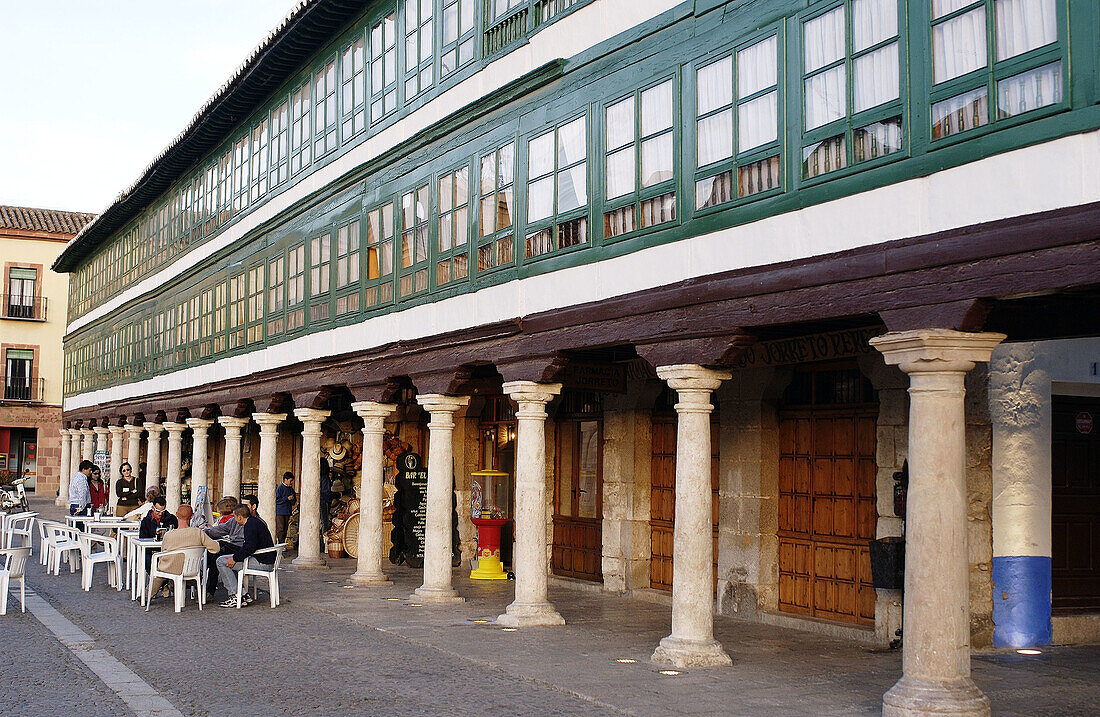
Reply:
x=1075, y=509
x=578, y=488
x=827, y=514
x=662, y=505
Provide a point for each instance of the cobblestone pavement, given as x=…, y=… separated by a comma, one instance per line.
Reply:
x=335, y=649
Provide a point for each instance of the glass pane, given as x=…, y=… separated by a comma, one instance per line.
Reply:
x=756, y=67
x=657, y=105
x=713, y=191
x=872, y=22
x=823, y=39
x=488, y=173
x=540, y=199
x=825, y=97
x=958, y=45
x=658, y=210
x=1031, y=90
x=488, y=213
x=960, y=113
x=877, y=140
x=507, y=164
x=714, y=140
x=758, y=177
x=588, y=449
x=620, y=124
x=1023, y=25
x=446, y=192
x=540, y=155
x=504, y=208
x=620, y=173
x=657, y=159
x=566, y=450
x=826, y=156
x=875, y=78
x=714, y=86
x=571, y=147
x=757, y=122
x=946, y=7
x=573, y=188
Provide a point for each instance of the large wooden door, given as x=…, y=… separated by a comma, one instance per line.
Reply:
x=578, y=493
x=662, y=507
x=1075, y=509
x=827, y=513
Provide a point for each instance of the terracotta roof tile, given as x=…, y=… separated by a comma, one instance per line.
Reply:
x=43, y=220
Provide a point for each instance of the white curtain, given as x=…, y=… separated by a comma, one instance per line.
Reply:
x=757, y=122
x=657, y=159
x=657, y=108
x=1031, y=90
x=823, y=39
x=958, y=45
x=620, y=172
x=946, y=7
x=573, y=187
x=872, y=22
x=825, y=97
x=825, y=92
x=714, y=138
x=875, y=78
x=960, y=113
x=756, y=67
x=1023, y=25
x=714, y=86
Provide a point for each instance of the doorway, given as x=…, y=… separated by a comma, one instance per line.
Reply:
x=577, y=551
x=1075, y=504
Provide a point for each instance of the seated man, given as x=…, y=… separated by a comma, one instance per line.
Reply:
x=143, y=510
x=252, y=502
x=157, y=520
x=256, y=537
x=230, y=536
x=177, y=539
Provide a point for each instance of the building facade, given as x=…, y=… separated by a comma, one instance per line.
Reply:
x=723, y=289
x=32, y=327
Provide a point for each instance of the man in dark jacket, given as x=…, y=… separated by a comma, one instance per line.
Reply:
x=256, y=537
x=157, y=519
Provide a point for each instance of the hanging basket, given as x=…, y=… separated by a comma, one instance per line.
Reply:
x=351, y=536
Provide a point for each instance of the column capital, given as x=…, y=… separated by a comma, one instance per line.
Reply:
x=532, y=391
x=87, y=431
x=116, y=430
x=268, y=419
x=131, y=428
x=101, y=430
x=64, y=431
x=154, y=429
x=441, y=402
x=175, y=430
x=936, y=350
x=311, y=415
x=373, y=410
x=692, y=377
x=199, y=424
x=232, y=423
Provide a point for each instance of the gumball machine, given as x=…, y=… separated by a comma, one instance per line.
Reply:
x=489, y=499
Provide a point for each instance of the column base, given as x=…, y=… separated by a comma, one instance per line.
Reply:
x=690, y=653
x=914, y=696
x=369, y=579
x=304, y=563
x=59, y=501
x=530, y=615
x=436, y=596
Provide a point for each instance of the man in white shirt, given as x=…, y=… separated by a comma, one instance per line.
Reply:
x=80, y=495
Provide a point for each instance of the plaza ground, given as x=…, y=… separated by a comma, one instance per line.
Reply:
x=335, y=649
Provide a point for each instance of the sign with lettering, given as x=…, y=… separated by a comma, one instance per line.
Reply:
x=409, y=510
x=1083, y=422
x=803, y=349
x=604, y=377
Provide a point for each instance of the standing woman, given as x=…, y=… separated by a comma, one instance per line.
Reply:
x=99, y=490
x=127, y=490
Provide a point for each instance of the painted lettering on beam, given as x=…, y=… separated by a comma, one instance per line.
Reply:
x=804, y=349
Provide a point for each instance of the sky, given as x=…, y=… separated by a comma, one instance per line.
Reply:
x=91, y=91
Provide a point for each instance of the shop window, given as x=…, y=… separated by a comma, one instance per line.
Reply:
x=984, y=70
x=737, y=125
x=414, y=241
x=353, y=77
x=639, y=139
x=496, y=217
x=452, y=246
x=347, y=268
x=557, y=189
x=459, y=35
x=851, y=85
x=383, y=67
x=379, y=248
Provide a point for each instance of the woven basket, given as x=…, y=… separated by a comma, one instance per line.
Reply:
x=351, y=536
x=352, y=506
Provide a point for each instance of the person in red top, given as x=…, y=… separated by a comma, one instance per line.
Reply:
x=99, y=490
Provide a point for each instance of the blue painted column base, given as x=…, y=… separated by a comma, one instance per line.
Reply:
x=1021, y=601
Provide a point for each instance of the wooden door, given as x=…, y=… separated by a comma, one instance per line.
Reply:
x=827, y=513
x=662, y=507
x=577, y=551
x=1075, y=509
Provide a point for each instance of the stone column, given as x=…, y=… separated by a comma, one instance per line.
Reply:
x=531, y=606
x=936, y=649
x=368, y=569
x=173, y=478
x=101, y=434
x=87, y=449
x=269, y=436
x=437, y=530
x=133, y=449
x=692, y=640
x=75, y=437
x=231, y=466
x=116, y=463
x=199, y=441
x=309, y=506
x=152, y=455
x=64, y=474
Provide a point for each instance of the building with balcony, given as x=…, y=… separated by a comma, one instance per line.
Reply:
x=730, y=292
x=32, y=326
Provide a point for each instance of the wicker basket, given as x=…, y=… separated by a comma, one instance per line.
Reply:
x=351, y=536
x=352, y=506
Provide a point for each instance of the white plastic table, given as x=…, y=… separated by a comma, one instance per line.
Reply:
x=138, y=547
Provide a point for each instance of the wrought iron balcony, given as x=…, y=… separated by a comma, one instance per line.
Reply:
x=24, y=388
x=19, y=306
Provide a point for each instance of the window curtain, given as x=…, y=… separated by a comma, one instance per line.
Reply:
x=875, y=78
x=1023, y=25
x=824, y=43
x=1031, y=90
x=758, y=119
x=958, y=45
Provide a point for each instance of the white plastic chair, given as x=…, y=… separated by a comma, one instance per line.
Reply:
x=255, y=568
x=21, y=524
x=89, y=559
x=194, y=568
x=44, y=539
x=64, y=543
x=14, y=568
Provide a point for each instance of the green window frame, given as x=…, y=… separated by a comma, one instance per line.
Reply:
x=325, y=121
x=379, y=250
x=557, y=194
x=280, y=144
x=225, y=192
x=419, y=47
x=458, y=35
x=212, y=326
x=238, y=316
x=276, y=294
x=353, y=77
x=241, y=156
x=994, y=61
x=254, y=306
x=452, y=245
x=497, y=208
x=194, y=326
x=213, y=180
x=738, y=116
x=320, y=277
x=347, y=261
x=301, y=139
x=258, y=169
x=641, y=152
x=413, y=249
x=179, y=342
x=296, y=287
x=853, y=84
x=383, y=66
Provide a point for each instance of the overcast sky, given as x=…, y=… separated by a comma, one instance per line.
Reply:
x=93, y=90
